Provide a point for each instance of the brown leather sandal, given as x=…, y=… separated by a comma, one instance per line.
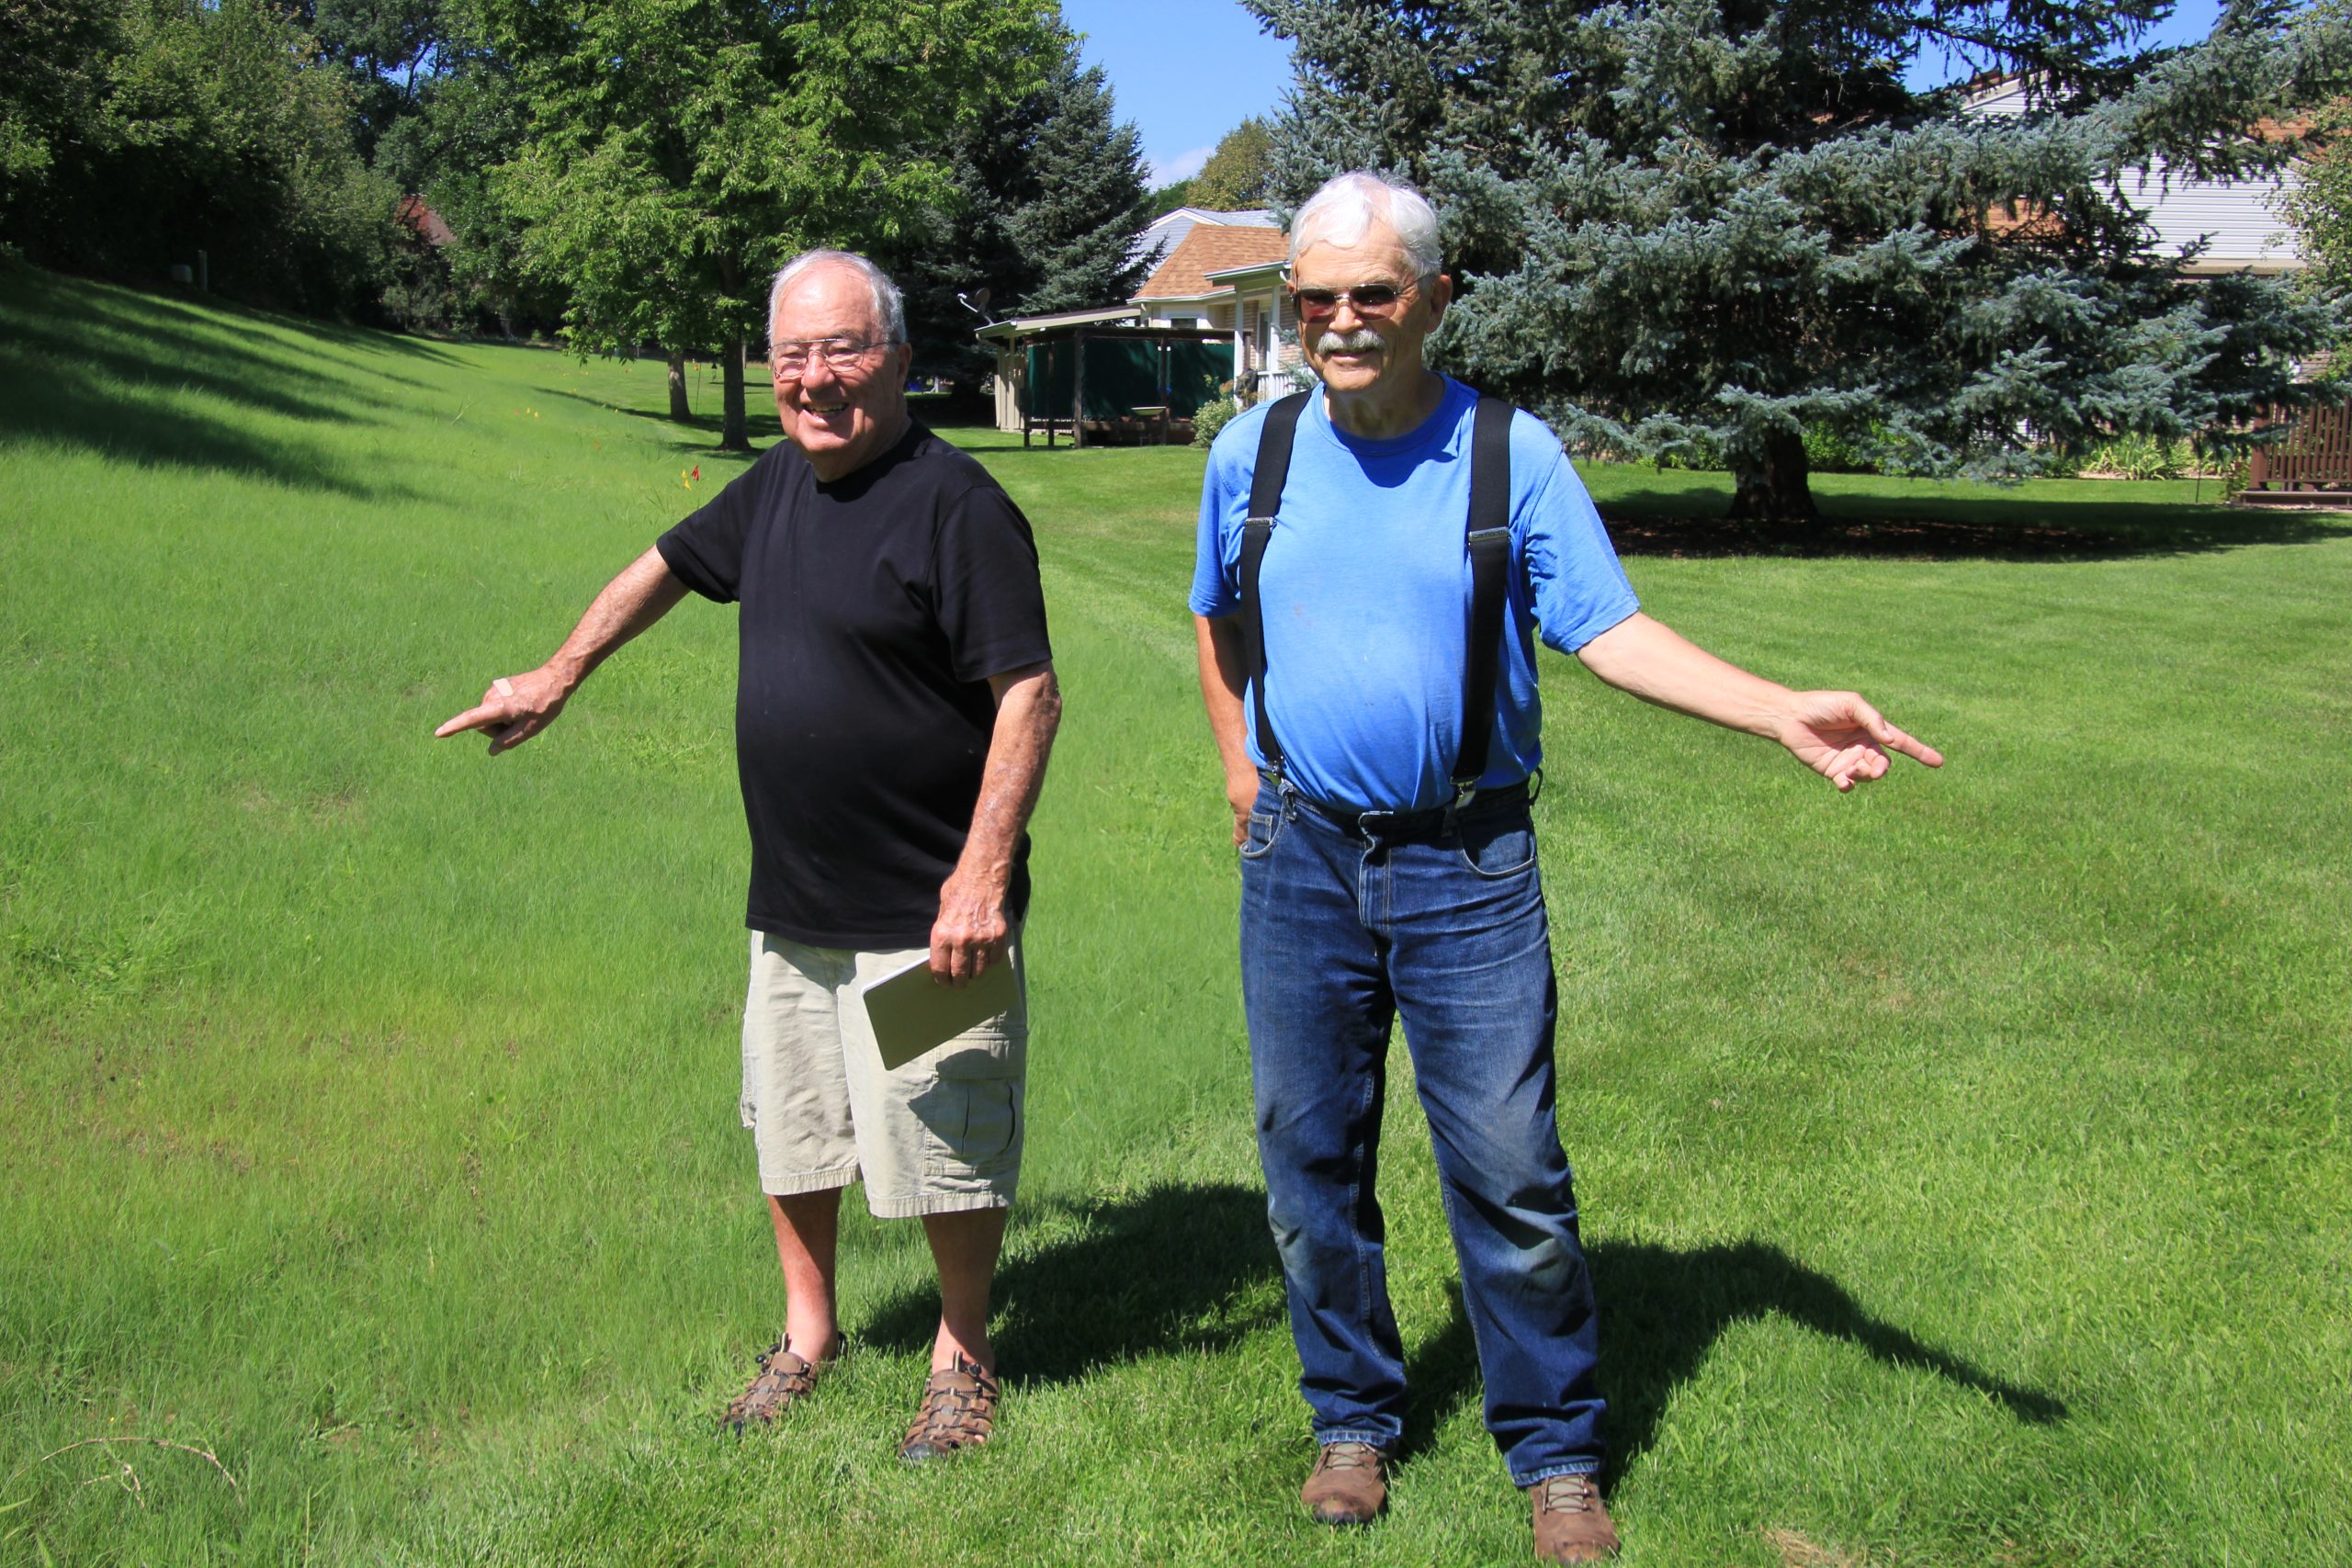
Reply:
x=784, y=1377
x=958, y=1411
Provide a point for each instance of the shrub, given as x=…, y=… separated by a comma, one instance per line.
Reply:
x=1212, y=417
x=2136, y=456
x=1826, y=451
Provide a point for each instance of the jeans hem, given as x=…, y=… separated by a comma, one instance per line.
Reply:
x=1545, y=1473
x=1383, y=1441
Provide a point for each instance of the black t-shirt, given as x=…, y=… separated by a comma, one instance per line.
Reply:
x=875, y=610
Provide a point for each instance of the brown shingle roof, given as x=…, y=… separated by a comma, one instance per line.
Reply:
x=1212, y=247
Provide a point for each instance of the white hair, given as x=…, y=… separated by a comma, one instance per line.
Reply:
x=890, y=309
x=1349, y=204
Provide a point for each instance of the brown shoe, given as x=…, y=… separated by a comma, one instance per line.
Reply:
x=958, y=1411
x=783, y=1377
x=1349, y=1484
x=1571, y=1524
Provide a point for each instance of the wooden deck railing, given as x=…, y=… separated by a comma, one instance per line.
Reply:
x=2317, y=452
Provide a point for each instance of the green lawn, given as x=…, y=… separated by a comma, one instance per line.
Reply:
x=1963, y=1163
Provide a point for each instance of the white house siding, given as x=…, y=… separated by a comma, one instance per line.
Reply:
x=2240, y=221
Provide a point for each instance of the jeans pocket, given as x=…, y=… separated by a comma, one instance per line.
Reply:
x=1265, y=827
x=1498, y=847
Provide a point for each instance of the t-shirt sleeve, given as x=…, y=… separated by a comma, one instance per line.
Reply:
x=1215, y=593
x=705, y=550
x=1574, y=578
x=991, y=604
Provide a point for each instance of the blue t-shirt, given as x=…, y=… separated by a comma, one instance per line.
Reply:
x=1367, y=587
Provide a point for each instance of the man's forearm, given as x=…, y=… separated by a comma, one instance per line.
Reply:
x=1223, y=682
x=518, y=706
x=640, y=595
x=1652, y=662
x=1029, y=710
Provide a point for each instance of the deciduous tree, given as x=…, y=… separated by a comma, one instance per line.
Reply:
x=679, y=150
x=1237, y=174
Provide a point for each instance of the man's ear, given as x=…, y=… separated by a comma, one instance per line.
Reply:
x=1441, y=297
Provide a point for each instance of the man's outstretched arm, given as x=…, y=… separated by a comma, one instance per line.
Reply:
x=518, y=706
x=970, y=931
x=1836, y=734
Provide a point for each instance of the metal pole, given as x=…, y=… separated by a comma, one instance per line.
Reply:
x=1078, y=397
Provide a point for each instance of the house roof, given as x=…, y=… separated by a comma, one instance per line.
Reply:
x=1165, y=232
x=1212, y=248
x=1023, y=326
x=424, y=220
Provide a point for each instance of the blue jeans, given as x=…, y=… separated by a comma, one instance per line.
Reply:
x=1344, y=925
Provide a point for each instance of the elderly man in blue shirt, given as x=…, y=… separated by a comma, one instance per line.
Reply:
x=1376, y=558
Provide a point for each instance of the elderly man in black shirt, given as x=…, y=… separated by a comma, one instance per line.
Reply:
x=895, y=705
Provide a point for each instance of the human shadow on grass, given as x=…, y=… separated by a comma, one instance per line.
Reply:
x=1955, y=527
x=1661, y=1310
x=1173, y=1269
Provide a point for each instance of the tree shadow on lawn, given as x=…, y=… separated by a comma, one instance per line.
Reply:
x=1958, y=528
x=84, y=370
x=1661, y=1310
x=759, y=421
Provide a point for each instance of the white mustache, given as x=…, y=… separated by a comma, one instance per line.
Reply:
x=1363, y=340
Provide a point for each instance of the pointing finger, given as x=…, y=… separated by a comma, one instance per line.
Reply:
x=472, y=718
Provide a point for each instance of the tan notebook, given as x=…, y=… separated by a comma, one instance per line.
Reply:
x=911, y=1012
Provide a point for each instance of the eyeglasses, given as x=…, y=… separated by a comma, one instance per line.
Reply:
x=789, y=361
x=1365, y=300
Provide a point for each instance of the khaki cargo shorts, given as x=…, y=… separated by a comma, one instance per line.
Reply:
x=941, y=1134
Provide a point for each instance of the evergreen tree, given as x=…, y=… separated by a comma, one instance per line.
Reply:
x=1702, y=228
x=1049, y=195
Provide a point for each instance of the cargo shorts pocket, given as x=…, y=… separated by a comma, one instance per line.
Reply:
x=971, y=1110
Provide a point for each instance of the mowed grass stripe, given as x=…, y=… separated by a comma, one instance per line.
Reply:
x=1962, y=1162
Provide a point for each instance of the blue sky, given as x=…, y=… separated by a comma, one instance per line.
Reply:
x=1185, y=71
x=1188, y=71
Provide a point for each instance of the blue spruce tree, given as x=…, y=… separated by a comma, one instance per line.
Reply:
x=1704, y=228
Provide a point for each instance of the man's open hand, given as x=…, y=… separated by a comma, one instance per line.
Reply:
x=514, y=708
x=1845, y=739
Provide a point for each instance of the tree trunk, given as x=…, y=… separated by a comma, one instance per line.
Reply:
x=678, y=409
x=1774, y=489
x=732, y=436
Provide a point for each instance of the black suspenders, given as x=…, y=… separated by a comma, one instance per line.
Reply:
x=1489, y=540
x=1265, y=499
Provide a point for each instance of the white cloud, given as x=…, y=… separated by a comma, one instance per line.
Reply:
x=1182, y=166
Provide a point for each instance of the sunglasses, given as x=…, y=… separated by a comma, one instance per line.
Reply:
x=1365, y=300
